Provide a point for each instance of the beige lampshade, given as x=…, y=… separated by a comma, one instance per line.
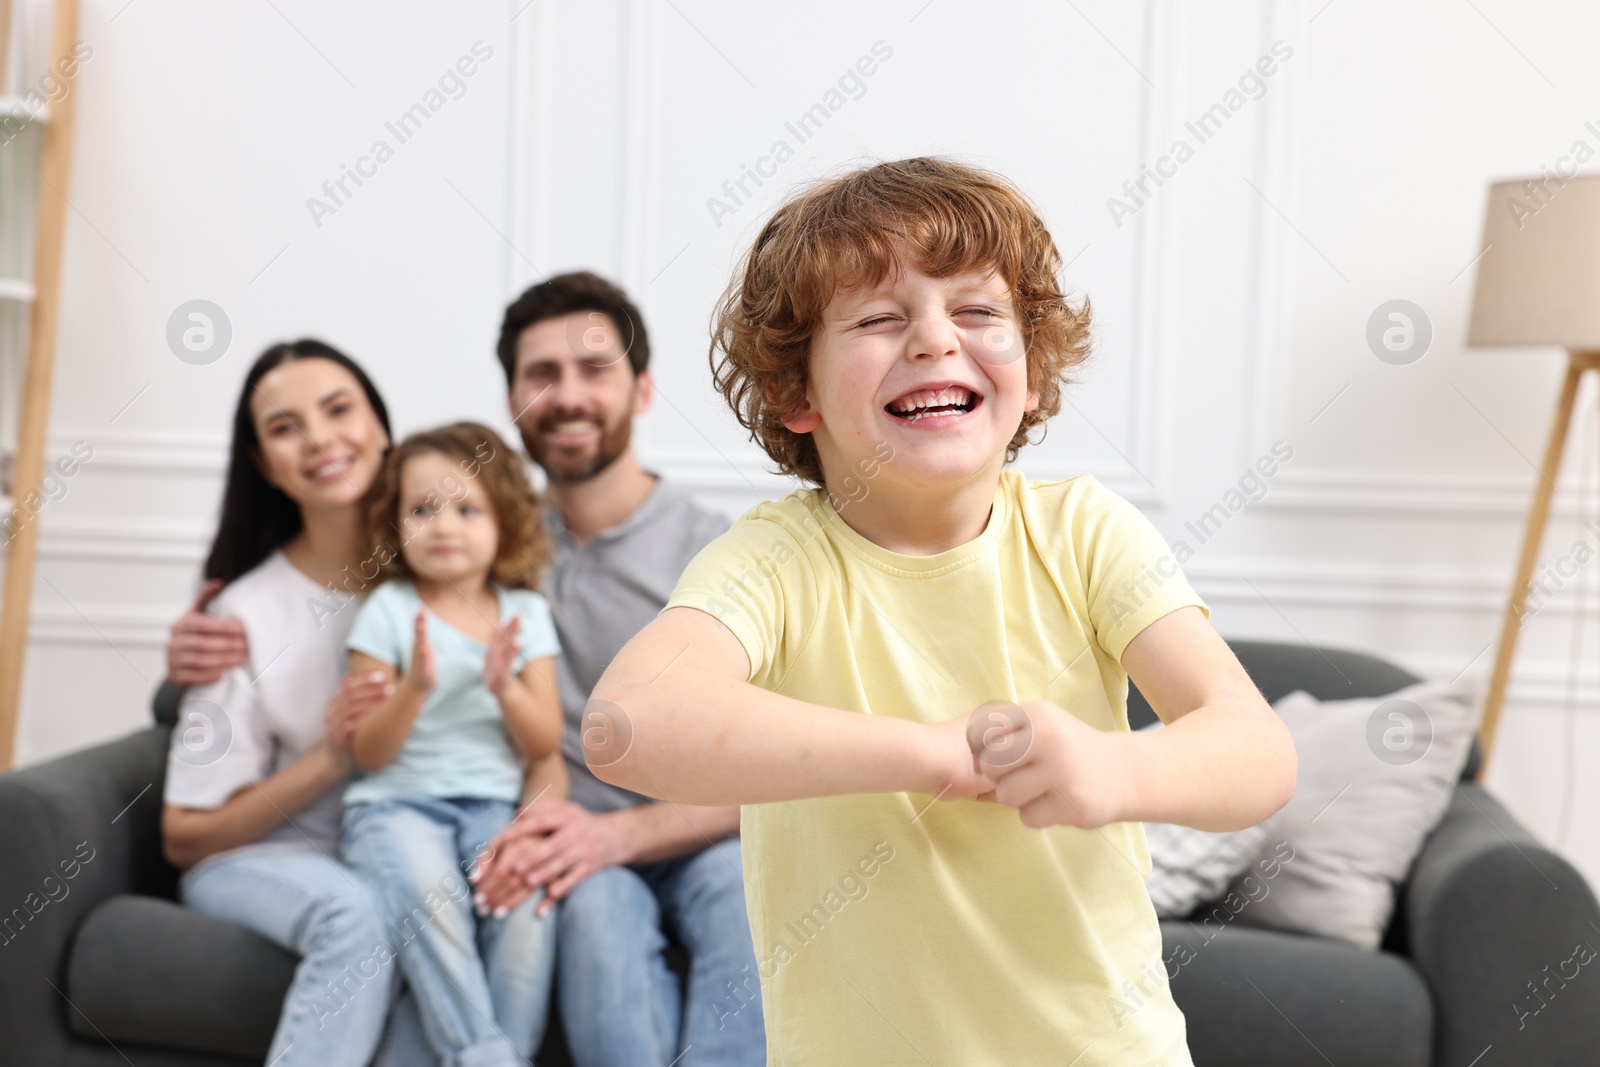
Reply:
x=1539, y=281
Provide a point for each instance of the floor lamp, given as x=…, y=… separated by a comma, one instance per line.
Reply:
x=1538, y=284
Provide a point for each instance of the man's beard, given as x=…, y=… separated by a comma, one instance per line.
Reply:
x=613, y=443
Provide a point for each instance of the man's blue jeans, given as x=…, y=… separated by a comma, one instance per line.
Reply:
x=621, y=1006
x=328, y=914
x=482, y=986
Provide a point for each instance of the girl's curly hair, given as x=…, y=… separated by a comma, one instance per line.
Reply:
x=524, y=545
x=842, y=233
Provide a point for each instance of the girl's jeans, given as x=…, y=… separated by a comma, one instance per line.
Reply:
x=482, y=986
x=331, y=916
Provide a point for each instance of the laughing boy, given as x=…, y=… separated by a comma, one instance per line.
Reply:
x=881, y=667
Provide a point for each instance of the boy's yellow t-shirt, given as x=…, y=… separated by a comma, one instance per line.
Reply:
x=892, y=929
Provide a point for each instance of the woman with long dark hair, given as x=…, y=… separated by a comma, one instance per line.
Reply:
x=256, y=771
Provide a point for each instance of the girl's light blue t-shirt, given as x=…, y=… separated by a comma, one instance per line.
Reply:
x=458, y=746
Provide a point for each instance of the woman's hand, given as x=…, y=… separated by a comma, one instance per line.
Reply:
x=421, y=675
x=357, y=695
x=502, y=652
x=200, y=647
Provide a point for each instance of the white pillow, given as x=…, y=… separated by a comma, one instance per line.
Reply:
x=1189, y=867
x=1375, y=777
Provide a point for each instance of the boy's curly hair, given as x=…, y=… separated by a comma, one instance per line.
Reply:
x=524, y=545
x=841, y=233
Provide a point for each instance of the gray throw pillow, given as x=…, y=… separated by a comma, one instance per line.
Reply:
x=1375, y=777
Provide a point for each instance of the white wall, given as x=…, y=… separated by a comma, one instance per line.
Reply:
x=1232, y=306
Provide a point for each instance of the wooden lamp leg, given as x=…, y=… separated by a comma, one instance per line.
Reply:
x=1511, y=626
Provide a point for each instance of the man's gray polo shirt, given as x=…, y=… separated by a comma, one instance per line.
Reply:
x=604, y=592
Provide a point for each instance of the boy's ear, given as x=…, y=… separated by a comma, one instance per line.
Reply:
x=803, y=421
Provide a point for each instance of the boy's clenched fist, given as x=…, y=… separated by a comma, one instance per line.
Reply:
x=1051, y=766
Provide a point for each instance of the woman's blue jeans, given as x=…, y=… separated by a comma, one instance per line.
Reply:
x=332, y=917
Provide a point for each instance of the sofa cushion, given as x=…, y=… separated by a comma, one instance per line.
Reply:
x=151, y=971
x=1254, y=997
x=1375, y=776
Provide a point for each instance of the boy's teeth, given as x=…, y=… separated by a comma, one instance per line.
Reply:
x=927, y=399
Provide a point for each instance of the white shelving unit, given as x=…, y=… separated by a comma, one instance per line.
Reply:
x=21, y=129
x=24, y=47
x=37, y=98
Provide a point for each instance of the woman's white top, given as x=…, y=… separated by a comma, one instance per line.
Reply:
x=262, y=716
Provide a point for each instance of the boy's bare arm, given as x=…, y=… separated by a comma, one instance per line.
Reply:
x=1225, y=760
x=674, y=718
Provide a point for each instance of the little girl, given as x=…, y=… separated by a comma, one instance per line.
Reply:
x=470, y=647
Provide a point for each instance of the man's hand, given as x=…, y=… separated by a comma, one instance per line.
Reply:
x=554, y=844
x=201, y=647
x=357, y=695
x=1053, y=767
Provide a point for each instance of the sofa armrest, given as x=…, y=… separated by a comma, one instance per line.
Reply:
x=74, y=832
x=1507, y=933
x=164, y=704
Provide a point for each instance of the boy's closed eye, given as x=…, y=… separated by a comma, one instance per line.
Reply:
x=985, y=313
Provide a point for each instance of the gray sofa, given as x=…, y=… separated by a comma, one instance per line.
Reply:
x=112, y=972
